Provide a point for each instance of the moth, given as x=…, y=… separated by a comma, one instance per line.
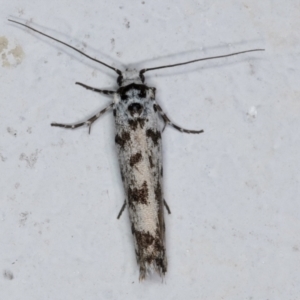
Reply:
x=138, y=142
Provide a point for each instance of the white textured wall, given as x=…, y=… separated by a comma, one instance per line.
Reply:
x=233, y=191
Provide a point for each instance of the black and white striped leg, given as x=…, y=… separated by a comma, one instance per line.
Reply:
x=121, y=210
x=167, y=207
x=168, y=121
x=105, y=92
x=88, y=122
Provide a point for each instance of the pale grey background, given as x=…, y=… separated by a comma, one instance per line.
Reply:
x=233, y=190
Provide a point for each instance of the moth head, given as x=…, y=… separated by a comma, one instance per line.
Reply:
x=130, y=76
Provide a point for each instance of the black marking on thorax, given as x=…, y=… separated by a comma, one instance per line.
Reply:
x=141, y=88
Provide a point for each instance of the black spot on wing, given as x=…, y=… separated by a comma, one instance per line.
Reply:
x=159, y=242
x=138, y=195
x=151, y=162
x=161, y=264
x=154, y=135
x=135, y=158
x=143, y=239
x=135, y=122
x=122, y=139
x=158, y=192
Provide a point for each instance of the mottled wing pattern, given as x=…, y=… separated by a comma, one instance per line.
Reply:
x=139, y=151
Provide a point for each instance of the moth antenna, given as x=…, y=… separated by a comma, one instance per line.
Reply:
x=50, y=37
x=192, y=61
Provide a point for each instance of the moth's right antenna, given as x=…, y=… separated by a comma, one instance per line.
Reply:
x=50, y=37
x=192, y=61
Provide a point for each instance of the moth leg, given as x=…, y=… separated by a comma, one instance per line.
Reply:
x=105, y=92
x=168, y=121
x=167, y=207
x=88, y=122
x=122, y=209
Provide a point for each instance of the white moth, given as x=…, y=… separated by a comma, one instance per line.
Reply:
x=138, y=143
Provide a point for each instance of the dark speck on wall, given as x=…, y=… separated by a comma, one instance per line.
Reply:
x=127, y=23
x=8, y=275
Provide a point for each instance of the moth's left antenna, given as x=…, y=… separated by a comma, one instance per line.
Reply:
x=50, y=37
